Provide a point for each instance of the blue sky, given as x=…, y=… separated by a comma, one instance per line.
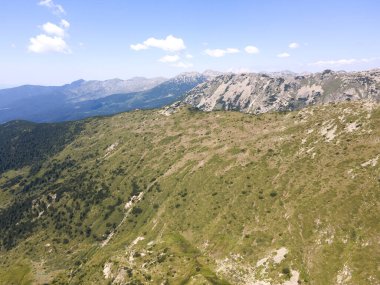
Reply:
x=53, y=42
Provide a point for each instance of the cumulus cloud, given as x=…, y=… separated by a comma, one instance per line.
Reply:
x=283, y=55
x=340, y=62
x=55, y=8
x=294, y=45
x=170, y=43
x=52, y=29
x=138, y=47
x=53, y=37
x=251, y=49
x=189, y=56
x=221, y=52
x=169, y=58
x=52, y=40
x=44, y=43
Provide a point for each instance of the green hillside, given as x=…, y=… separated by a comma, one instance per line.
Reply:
x=196, y=198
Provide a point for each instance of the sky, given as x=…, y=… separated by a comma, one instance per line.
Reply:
x=53, y=42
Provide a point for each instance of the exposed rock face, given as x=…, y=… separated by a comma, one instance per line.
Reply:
x=260, y=93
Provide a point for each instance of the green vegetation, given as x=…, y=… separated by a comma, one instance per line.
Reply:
x=194, y=198
x=24, y=143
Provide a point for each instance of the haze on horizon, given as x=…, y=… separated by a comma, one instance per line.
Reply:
x=53, y=42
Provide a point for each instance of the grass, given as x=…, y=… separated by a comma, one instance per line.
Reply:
x=19, y=273
x=217, y=186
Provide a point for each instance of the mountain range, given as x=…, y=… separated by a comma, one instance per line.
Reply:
x=82, y=99
x=246, y=92
x=260, y=93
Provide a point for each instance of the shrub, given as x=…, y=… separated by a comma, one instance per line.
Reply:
x=286, y=271
x=136, y=211
x=273, y=194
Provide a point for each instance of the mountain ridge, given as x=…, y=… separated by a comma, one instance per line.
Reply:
x=246, y=92
x=81, y=99
x=260, y=92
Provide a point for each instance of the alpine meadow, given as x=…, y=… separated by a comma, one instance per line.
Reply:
x=242, y=145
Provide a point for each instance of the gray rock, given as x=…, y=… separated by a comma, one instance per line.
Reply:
x=259, y=92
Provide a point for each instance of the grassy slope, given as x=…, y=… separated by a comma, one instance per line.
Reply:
x=221, y=191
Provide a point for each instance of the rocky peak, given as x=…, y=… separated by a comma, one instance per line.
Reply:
x=263, y=92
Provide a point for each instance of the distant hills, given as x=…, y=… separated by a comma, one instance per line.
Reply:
x=82, y=98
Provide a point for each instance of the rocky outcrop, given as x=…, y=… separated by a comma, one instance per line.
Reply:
x=260, y=92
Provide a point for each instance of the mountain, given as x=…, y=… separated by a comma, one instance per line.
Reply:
x=79, y=90
x=87, y=98
x=163, y=94
x=13, y=95
x=180, y=196
x=246, y=92
x=90, y=90
x=285, y=91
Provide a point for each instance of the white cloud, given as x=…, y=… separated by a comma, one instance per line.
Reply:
x=232, y=50
x=183, y=64
x=221, y=52
x=43, y=43
x=215, y=52
x=283, y=55
x=170, y=43
x=52, y=29
x=294, y=45
x=52, y=40
x=251, y=49
x=65, y=24
x=169, y=58
x=340, y=62
x=189, y=56
x=175, y=61
x=56, y=8
x=138, y=47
